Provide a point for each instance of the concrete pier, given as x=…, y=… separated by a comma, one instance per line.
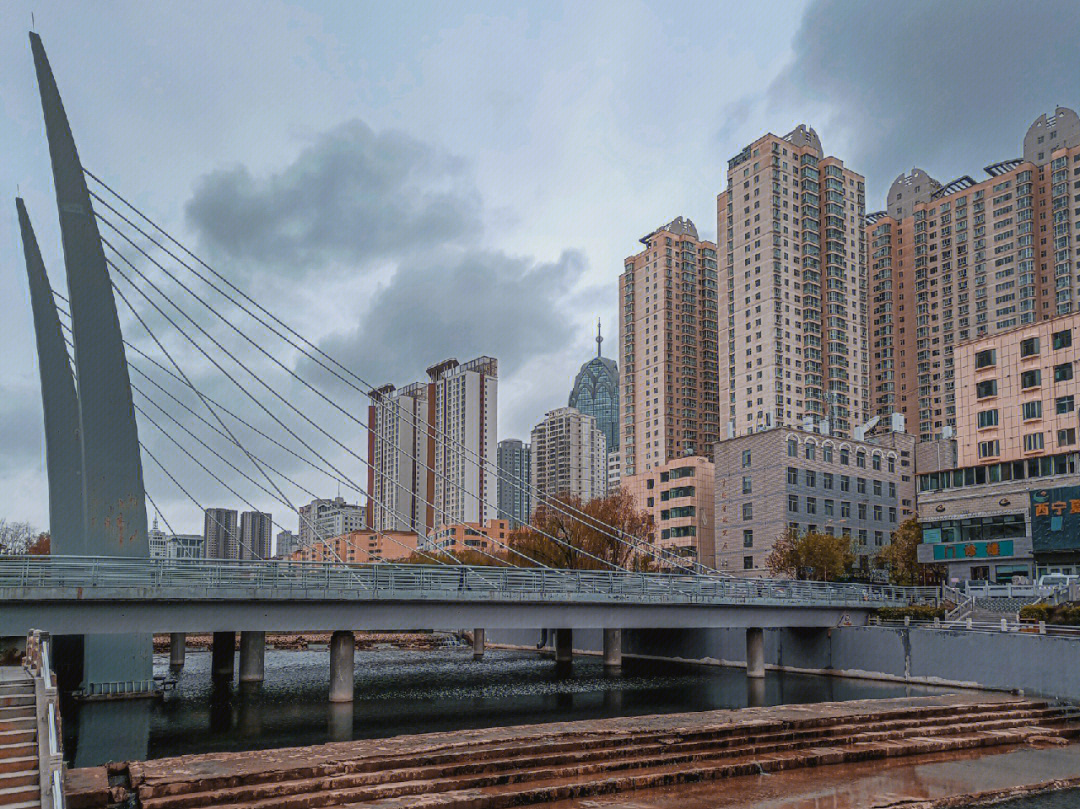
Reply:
x=564, y=645
x=177, y=649
x=755, y=652
x=342, y=655
x=612, y=648
x=223, y=656
x=252, y=651
x=477, y=644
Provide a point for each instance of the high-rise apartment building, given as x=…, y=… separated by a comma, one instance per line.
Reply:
x=325, y=518
x=793, y=289
x=285, y=543
x=668, y=345
x=957, y=261
x=435, y=442
x=254, y=535
x=596, y=393
x=569, y=455
x=515, y=478
x=220, y=534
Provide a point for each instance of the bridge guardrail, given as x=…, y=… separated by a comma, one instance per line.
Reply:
x=37, y=662
x=1005, y=625
x=214, y=579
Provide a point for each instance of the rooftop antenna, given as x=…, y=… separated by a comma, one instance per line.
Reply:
x=599, y=338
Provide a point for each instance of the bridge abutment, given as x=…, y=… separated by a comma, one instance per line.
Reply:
x=478, y=644
x=342, y=656
x=755, y=652
x=612, y=649
x=223, y=656
x=564, y=645
x=252, y=652
x=177, y=650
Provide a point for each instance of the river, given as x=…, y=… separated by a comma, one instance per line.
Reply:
x=401, y=692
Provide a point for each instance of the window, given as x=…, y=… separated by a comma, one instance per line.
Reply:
x=989, y=449
x=649, y=483
x=748, y=511
x=892, y=464
x=860, y=460
x=877, y=488
x=860, y=485
x=747, y=485
x=984, y=359
x=748, y=563
x=1033, y=442
x=811, y=505
x=748, y=538
x=826, y=453
x=792, y=476
x=1030, y=379
x=829, y=507
x=1062, y=339
x=650, y=502
x=892, y=490
x=879, y=538
x=1066, y=438
x=745, y=458
x=862, y=511
x=1029, y=347
x=1063, y=404
x=1063, y=372
x=809, y=452
x=793, y=502
x=811, y=478
x=1031, y=410
x=988, y=387
x=845, y=508
x=987, y=418
x=792, y=448
x=892, y=514
x=879, y=513
x=875, y=462
x=862, y=536
x=845, y=457
x=845, y=483
x=827, y=480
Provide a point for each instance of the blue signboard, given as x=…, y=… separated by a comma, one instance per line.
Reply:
x=1055, y=519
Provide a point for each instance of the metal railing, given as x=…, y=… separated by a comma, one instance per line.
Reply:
x=38, y=664
x=1005, y=625
x=86, y=578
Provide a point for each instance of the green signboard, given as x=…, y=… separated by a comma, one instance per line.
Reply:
x=1055, y=519
x=973, y=550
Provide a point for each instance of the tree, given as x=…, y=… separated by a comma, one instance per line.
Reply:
x=901, y=556
x=42, y=546
x=813, y=555
x=15, y=537
x=587, y=536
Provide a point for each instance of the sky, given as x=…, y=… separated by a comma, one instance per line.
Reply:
x=406, y=182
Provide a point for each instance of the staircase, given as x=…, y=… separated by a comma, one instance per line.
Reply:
x=19, y=782
x=543, y=765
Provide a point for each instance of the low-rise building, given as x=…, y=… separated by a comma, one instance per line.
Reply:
x=679, y=497
x=185, y=546
x=360, y=547
x=489, y=537
x=780, y=479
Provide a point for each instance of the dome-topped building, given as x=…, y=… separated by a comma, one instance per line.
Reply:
x=596, y=393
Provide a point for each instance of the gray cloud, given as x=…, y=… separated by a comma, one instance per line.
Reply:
x=20, y=429
x=354, y=196
x=483, y=302
x=949, y=86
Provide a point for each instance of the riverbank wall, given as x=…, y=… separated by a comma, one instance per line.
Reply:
x=1045, y=665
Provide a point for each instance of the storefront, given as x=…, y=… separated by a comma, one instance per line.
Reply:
x=1055, y=530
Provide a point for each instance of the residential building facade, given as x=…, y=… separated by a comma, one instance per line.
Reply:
x=285, y=543
x=255, y=527
x=569, y=455
x=793, y=289
x=324, y=518
x=515, y=479
x=775, y=480
x=360, y=547
x=956, y=261
x=401, y=450
x=679, y=495
x=668, y=349
x=221, y=536
x=488, y=537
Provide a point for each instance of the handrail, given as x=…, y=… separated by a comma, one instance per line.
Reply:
x=37, y=662
x=1005, y=625
x=88, y=577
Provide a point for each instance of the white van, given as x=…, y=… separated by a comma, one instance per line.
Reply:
x=1056, y=580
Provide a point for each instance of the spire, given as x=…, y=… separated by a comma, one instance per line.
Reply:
x=599, y=338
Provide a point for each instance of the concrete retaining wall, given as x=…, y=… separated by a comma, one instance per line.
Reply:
x=1039, y=664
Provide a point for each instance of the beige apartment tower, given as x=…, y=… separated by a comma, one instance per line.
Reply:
x=793, y=290
x=569, y=455
x=958, y=261
x=668, y=345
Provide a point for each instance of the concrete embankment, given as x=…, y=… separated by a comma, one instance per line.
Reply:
x=536, y=764
x=1044, y=665
x=304, y=640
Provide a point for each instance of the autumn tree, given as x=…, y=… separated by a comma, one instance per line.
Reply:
x=42, y=546
x=813, y=555
x=901, y=556
x=15, y=537
x=570, y=534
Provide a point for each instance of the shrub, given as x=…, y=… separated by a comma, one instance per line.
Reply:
x=917, y=612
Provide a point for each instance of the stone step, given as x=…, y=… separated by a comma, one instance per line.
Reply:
x=9, y=700
x=11, y=737
x=522, y=768
x=18, y=723
x=14, y=795
x=504, y=796
x=19, y=778
x=10, y=750
x=17, y=764
x=493, y=752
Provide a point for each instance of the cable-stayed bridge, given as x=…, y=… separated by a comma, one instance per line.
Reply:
x=200, y=333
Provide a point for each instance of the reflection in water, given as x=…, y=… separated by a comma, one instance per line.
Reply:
x=1069, y=799
x=400, y=692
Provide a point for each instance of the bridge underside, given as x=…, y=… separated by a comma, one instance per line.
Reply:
x=159, y=616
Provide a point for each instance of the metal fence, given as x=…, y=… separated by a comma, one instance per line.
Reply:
x=1005, y=625
x=89, y=577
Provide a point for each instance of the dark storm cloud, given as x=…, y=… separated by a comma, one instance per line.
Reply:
x=948, y=86
x=482, y=303
x=354, y=196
